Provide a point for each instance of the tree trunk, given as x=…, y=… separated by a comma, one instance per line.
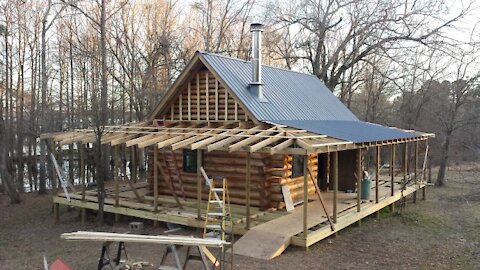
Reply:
x=4, y=173
x=444, y=160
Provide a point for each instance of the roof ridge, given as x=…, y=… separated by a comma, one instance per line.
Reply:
x=263, y=65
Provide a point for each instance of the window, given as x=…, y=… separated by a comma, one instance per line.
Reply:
x=190, y=160
x=297, y=166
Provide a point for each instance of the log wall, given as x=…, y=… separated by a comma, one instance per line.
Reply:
x=268, y=174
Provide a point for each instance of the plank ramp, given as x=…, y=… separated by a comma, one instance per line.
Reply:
x=268, y=240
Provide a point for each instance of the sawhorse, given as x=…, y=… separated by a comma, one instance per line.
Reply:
x=105, y=260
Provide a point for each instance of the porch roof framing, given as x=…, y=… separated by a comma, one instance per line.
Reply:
x=228, y=136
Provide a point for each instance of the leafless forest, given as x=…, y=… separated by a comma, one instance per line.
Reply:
x=67, y=64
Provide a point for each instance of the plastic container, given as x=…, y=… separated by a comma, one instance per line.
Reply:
x=366, y=186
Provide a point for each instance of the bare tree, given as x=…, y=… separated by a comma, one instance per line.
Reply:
x=338, y=34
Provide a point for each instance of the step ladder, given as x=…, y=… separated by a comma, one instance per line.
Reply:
x=169, y=162
x=218, y=217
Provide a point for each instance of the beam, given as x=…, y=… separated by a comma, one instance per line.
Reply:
x=214, y=138
x=244, y=142
x=139, y=139
x=264, y=143
x=377, y=171
x=281, y=146
x=227, y=140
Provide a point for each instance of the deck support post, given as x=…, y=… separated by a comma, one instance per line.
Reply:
x=82, y=179
x=335, y=186
x=359, y=178
x=305, y=195
x=247, y=190
x=392, y=174
x=155, y=183
x=415, y=171
x=199, y=184
x=116, y=168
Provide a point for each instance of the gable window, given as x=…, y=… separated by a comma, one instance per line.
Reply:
x=190, y=160
x=297, y=166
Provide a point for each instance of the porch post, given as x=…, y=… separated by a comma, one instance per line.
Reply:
x=305, y=195
x=155, y=182
x=415, y=171
x=405, y=171
x=247, y=189
x=133, y=164
x=377, y=171
x=327, y=173
x=116, y=167
x=335, y=186
x=392, y=174
x=82, y=179
x=359, y=177
x=199, y=184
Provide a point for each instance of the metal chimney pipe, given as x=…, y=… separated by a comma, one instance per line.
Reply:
x=256, y=85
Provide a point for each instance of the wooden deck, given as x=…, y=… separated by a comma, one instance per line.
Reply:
x=270, y=239
x=271, y=231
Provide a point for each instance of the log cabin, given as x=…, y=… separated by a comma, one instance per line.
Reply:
x=293, y=155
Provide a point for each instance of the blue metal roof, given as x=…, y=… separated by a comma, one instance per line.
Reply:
x=298, y=100
x=353, y=131
x=291, y=95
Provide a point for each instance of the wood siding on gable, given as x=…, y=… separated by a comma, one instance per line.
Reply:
x=204, y=98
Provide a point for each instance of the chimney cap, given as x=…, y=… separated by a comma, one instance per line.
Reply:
x=256, y=27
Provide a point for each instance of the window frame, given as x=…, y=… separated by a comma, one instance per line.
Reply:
x=297, y=166
x=194, y=166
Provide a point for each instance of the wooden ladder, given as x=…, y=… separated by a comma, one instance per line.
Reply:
x=167, y=158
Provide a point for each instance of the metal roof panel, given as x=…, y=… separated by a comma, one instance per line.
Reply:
x=291, y=95
x=353, y=131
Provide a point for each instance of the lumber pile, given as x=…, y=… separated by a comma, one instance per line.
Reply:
x=136, y=238
x=279, y=173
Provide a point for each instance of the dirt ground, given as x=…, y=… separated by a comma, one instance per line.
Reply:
x=442, y=232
